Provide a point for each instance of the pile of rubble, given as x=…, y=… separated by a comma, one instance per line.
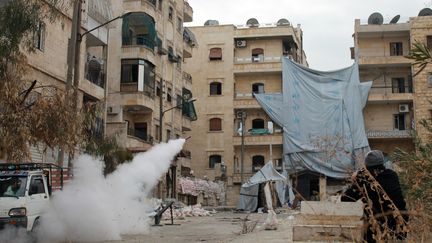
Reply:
x=187, y=211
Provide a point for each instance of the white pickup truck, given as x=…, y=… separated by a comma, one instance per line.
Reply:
x=25, y=190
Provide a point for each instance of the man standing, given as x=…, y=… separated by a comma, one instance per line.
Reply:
x=385, y=207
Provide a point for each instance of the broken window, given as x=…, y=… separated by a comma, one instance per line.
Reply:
x=215, y=54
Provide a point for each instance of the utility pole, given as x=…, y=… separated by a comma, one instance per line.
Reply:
x=243, y=116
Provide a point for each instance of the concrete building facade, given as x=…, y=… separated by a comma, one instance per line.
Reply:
x=230, y=64
x=48, y=64
x=146, y=81
x=398, y=99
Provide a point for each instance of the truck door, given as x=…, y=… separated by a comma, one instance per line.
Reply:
x=38, y=196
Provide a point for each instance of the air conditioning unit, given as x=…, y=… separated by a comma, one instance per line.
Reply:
x=241, y=43
x=113, y=110
x=404, y=108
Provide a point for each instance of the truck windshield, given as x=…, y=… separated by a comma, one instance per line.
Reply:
x=12, y=186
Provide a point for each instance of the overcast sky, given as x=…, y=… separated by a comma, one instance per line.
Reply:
x=327, y=25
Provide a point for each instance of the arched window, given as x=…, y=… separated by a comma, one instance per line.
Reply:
x=257, y=163
x=215, y=88
x=139, y=29
x=215, y=54
x=214, y=159
x=257, y=55
x=257, y=123
x=258, y=88
x=215, y=124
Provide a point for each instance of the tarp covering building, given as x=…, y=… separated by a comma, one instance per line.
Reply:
x=321, y=116
x=248, y=200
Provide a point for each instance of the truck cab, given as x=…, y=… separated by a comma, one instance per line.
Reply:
x=25, y=190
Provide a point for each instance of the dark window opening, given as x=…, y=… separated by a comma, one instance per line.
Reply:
x=257, y=55
x=399, y=122
x=140, y=131
x=258, y=88
x=258, y=124
x=141, y=73
x=169, y=99
x=215, y=124
x=36, y=185
x=168, y=135
x=215, y=88
x=170, y=13
x=39, y=37
x=257, y=162
x=396, y=49
x=215, y=54
x=398, y=85
x=214, y=159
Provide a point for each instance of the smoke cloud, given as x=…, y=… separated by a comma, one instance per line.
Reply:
x=92, y=207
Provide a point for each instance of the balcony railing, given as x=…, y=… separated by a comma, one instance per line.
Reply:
x=94, y=73
x=389, y=134
x=250, y=59
x=389, y=89
x=140, y=134
x=133, y=87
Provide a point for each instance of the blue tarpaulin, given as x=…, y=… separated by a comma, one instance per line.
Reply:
x=321, y=116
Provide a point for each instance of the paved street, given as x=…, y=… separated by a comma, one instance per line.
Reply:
x=221, y=227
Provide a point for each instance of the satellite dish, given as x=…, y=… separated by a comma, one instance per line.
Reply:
x=395, y=19
x=283, y=22
x=375, y=18
x=252, y=22
x=425, y=12
x=211, y=22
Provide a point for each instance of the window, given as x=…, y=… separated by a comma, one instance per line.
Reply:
x=398, y=85
x=257, y=55
x=171, y=56
x=179, y=24
x=399, y=122
x=215, y=124
x=157, y=128
x=169, y=99
x=158, y=90
x=141, y=72
x=258, y=88
x=140, y=131
x=39, y=37
x=215, y=54
x=139, y=29
x=215, y=88
x=168, y=135
x=179, y=101
x=429, y=41
x=170, y=13
x=257, y=162
x=258, y=124
x=36, y=185
x=396, y=49
x=160, y=5
x=214, y=159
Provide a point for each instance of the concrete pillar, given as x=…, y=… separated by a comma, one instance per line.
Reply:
x=322, y=187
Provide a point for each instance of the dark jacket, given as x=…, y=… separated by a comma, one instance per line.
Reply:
x=381, y=207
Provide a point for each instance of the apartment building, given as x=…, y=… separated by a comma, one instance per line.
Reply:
x=398, y=99
x=48, y=64
x=230, y=64
x=147, y=86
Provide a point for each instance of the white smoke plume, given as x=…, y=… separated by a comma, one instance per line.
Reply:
x=94, y=208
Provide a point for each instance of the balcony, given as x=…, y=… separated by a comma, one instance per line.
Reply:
x=147, y=6
x=189, y=42
x=186, y=124
x=256, y=140
x=137, y=101
x=389, y=94
x=389, y=134
x=188, y=12
x=245, y=65
x=131, y=142
x=245, y=101
x=365, y=60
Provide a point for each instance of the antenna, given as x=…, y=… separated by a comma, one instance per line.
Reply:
x=283, y=22
x=395, y=19
x=252, y=22
x=375, y=18
x=425, y=12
